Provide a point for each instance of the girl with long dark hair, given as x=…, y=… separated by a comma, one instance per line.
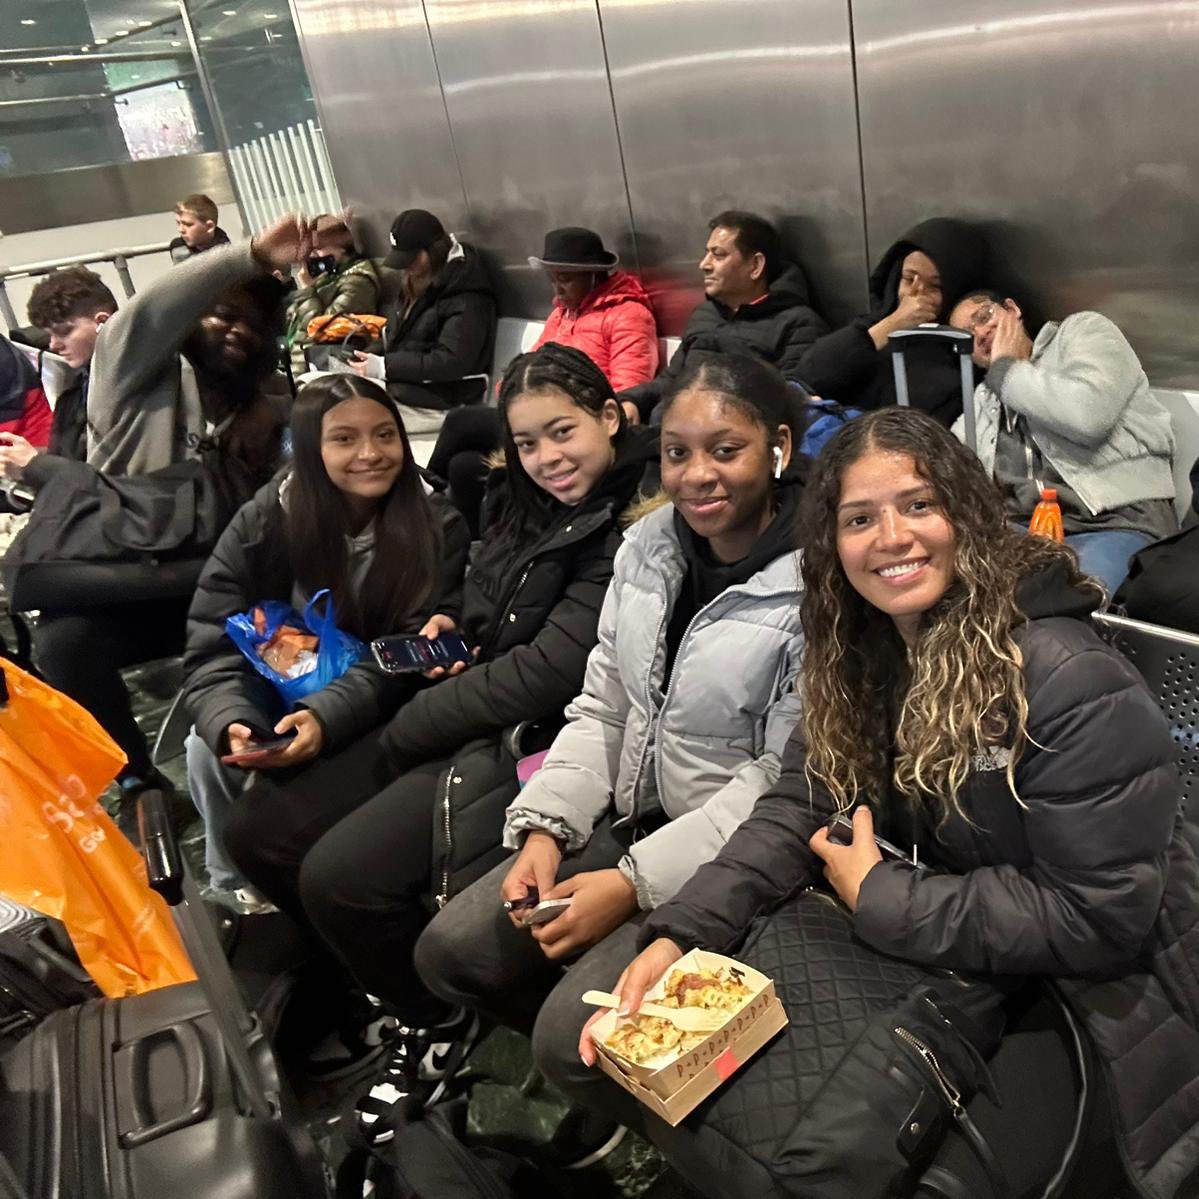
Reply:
x=360, y=845
x=958, y=702
x=352, y=515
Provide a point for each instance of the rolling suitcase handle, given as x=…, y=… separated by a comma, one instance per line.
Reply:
x=168, y=876
x=962, y=344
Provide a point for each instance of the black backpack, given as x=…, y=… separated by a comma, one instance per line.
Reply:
x=426, y=1159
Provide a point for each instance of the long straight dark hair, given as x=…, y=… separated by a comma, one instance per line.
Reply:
x=407, y=532
x=529, y=508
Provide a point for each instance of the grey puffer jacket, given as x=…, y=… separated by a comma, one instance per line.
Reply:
x=1090, y=881
x=1089, y=410
x=702, y=753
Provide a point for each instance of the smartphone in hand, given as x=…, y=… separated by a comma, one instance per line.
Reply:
x=262, y=744
x=401, y=655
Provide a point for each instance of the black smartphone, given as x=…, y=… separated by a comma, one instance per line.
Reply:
x=399, y=655
x=343, y=353
x=840, y=832
x=262, y=743
x=322, y=265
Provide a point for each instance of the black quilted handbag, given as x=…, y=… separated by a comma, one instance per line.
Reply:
x=856, y=1096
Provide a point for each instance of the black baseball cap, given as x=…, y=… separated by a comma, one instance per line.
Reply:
x=412, y=231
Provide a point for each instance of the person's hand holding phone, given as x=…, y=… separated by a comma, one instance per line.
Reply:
x=16, y=453
x=305, y=743
x=639, y=975
x=535, y=870
x=367, y=366
x=846, y=866
x=434, y=627
x=601, y=901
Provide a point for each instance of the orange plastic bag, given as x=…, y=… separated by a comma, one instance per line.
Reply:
x=61, y=853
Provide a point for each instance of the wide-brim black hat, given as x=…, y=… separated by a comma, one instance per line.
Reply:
x=574, y=248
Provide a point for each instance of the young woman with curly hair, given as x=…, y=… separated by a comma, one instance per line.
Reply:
x=959, y=702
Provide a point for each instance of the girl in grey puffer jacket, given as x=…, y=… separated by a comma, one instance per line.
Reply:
x=687, y=703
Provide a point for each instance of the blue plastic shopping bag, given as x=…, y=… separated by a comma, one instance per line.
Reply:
x=314, y=649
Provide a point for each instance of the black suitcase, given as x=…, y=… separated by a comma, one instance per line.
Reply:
x=957, y=340
x=39, y=971
x=175, y=1092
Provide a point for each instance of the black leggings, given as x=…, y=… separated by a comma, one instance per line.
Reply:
x=345, y=848
x=81, y=653
x=468, y=436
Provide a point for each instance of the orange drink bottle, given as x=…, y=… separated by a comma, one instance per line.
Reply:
x=1047, y=516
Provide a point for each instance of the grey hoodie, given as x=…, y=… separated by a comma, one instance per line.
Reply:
x=143, y=404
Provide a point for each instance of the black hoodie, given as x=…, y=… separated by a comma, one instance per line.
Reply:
x=447, y=334
x=845, y=366
x=778, y=328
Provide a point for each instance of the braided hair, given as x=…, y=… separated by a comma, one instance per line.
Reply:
x=528, y=508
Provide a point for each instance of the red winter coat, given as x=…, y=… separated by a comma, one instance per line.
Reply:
x=614, y=327
x=23, y=405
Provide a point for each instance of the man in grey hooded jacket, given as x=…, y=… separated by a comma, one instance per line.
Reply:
x=1072, y=411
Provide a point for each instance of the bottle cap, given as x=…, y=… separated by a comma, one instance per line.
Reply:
x=1049, y=493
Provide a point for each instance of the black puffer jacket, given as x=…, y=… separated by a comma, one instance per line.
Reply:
x=250, y=564
x=778, y=328
x=534, y=612
x=449, y=333
x=845, y=366
x=1091, y=882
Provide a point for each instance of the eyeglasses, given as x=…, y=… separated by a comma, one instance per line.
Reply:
x=982, y=316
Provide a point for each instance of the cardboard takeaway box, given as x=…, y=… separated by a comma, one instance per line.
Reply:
x=674, y=1085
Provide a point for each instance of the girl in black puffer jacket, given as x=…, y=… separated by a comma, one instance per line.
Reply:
x=351, y=514
x=958, y=699
x=359, y=844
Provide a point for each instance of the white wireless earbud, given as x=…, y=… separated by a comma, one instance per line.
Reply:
x=778, y=462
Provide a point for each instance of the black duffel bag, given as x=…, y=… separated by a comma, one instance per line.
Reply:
x=95, y=539
x=875, y=1088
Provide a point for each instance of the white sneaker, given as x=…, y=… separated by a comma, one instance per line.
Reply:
x=253, y=903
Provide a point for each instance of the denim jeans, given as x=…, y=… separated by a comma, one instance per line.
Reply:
x=1105, y=554
x=214, y=789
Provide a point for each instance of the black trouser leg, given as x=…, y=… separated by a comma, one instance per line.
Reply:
x=283, y=814
x=364, y=886
x=81, y=653
x=468, y=436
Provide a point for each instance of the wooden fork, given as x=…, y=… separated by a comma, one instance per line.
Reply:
x=689, y=1019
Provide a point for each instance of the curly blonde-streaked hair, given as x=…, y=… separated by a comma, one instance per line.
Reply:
x=960, y=689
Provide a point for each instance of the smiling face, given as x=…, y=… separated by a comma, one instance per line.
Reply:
x=362, y=451
x=564, y=449
x=895, y=543
x=230, y=337
x=717, y=468
x=980, y=315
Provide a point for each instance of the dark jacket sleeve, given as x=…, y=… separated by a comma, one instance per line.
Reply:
x=804, y=328
x=839, y=364
x=529, y=682
x=364, y=697
x=647, y=396
x=220, y=686
x=763, y=862
x=1100, y=791
x=461, y=340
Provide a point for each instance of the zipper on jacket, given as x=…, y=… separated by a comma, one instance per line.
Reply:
x=771, y=595
x=952, y=1095
x=443, y=895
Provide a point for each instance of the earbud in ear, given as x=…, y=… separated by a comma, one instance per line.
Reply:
x=778, y=462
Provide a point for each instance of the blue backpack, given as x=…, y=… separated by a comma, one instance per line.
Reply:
x=819, y=419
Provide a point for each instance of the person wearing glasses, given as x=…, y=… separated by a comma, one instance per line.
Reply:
x=1070, y=408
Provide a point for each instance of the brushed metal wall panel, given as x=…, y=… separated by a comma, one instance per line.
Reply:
x=1067, y=122
x=106, y=193
x=746, y=104
x=375, y=82
x=526, y=89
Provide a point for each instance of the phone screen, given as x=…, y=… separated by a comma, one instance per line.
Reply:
x=398, y=655
x=260, y=746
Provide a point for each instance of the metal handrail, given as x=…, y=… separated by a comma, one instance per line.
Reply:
x=118, y=258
